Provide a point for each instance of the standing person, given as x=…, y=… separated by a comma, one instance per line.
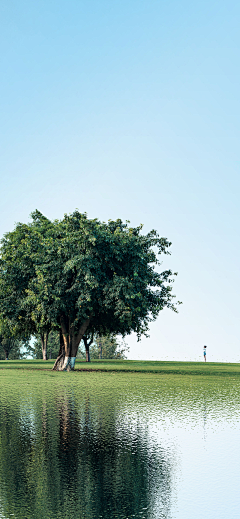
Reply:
x=205, y=353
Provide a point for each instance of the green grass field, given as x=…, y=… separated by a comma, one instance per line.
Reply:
x=141, y=366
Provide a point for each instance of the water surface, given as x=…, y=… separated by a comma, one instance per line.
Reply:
x=117, y=445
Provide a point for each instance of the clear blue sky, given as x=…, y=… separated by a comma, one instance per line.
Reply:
x=130, y=109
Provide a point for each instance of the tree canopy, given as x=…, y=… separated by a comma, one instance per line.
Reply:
x=82, y=276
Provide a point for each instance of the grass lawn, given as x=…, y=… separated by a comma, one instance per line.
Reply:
x=141, y=366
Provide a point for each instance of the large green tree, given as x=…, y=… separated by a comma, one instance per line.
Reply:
x=82, y=276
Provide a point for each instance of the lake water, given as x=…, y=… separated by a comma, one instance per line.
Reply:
x=118, y=446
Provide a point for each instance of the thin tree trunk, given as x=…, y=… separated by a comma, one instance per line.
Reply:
x=87, y=354
x=45, y=344
x=44, y=341
x=8, y=347
x=87, y=346
x=100, y=348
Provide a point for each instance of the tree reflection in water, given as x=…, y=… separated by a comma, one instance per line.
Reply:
x=75, y=461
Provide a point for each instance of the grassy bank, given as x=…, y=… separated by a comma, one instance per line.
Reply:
x=140, y=366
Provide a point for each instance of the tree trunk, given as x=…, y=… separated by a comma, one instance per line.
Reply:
x=60, y=357
x=87, y=346
x=8, y=346
x=44, y=341
x=100, y=348
x=71, y=339
x=88, y=354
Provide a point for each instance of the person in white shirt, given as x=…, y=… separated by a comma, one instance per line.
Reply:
x=205, y=353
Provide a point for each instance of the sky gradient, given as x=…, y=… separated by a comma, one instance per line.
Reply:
x=130, y=109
